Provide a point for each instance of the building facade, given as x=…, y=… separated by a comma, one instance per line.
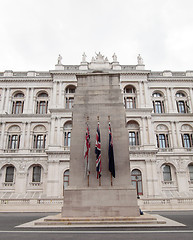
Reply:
x=36, y=124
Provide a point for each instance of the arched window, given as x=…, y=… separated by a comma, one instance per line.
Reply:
x=70, y=90
x=39, y=137
x=187, y=136
x=66, y=179
x=162, y=137
x=182, y=102
x=158, y=102
x=136, y=180
x=167, y=176
x=42, y=103
x=190, y=168
x=9, y=174
x=14, y=133
x=67, y=133
x=130, y=97
x=36, y=174
x=18, y=103
x=133, y=129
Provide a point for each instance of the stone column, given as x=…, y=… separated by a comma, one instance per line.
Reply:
x=191, y=99
x=174, y=109
x=31, y=110
x=60, y=95
x=141, y=97
x=58, y=132
x=2, y=135
x=23, y=136
x=28, y=125
x=150, y=131
x=141, y=136
x=2, y=101
x=169, y=103
x=54, y=94
x=173, y=135
x=146, y=95
x=26, y=101
x=178, y=139
x=7, y=100
x=144, y=131
x=52, y=131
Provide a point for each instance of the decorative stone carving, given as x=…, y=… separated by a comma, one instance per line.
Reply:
x=162, y=127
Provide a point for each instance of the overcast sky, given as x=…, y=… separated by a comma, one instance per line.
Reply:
x=34, y=32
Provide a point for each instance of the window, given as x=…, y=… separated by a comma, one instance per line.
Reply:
x=182, y=103
x=190, y=168
x=67, y=134
x=9, y=175
x=158, y=102
x=187, y=140
x=69, y=102
x=167, y=176
x=66, y=179
x=67, y=137
x=18, y=103
x=14, y=141
x=133, y=129
x=39, y=137
x=187, y=136
x=133, y=138
x=36, y=175
x=136, y=180
x=70, y=91
x=42, y=103
x=130, y=97
x=162, y=140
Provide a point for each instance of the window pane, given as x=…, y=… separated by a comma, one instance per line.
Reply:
x=132, y=138
x=187, y=141
x=167, y=173
x=66, y=178
x=162, y=141
x=9, y=174
x=36, y=174
x=130, y=102
x=191, y=172
x=158, y=107
x=69, y=138
x=42, y=107
x=181, y=107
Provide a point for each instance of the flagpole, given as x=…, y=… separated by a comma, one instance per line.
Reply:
x=111, y=180
x=88, y=180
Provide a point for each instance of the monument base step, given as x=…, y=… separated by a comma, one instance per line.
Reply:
x=59, y=220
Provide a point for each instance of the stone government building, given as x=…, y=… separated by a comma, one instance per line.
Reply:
x=36, y=124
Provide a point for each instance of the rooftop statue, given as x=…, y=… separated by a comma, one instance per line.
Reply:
x=114, y=57
x=59, y=59
x=139, y=60
x=84, y=57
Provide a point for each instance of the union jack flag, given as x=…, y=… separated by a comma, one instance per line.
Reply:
x=98, y=152
x=87, y=152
